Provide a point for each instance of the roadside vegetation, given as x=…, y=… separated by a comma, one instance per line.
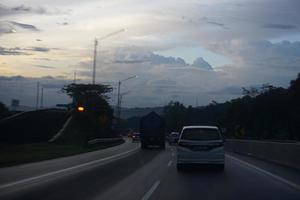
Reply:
x=26, y=138
x=266, y=112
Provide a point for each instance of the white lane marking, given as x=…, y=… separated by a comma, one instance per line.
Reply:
x=294, y=185
x=23, y=181
x=170, y=163
x=150, y=192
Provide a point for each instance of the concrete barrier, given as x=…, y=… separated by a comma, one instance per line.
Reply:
x=287, y=154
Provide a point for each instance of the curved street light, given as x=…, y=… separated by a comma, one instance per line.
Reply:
x=95, y=49
x=119, y=95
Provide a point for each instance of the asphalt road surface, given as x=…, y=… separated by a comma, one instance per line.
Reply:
x=126, y=172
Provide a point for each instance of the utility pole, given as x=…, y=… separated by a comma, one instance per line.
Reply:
x=74, y=81
x=37, y=95
x=119, y=95
x=119, y=102
x=42, y=98
x=94, y=64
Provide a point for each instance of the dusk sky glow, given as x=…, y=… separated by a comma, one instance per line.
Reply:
x=180, y=50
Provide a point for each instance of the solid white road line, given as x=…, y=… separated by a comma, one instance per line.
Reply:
x=294, y=185
x=35, y=178
x=169, y=163
x=150, y=192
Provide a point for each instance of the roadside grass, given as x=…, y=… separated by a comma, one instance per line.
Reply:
x=25, y=153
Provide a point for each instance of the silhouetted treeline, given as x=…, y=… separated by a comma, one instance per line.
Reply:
x=267, y=112
x=3, y=110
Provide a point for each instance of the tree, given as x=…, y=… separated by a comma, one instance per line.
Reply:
x=3, y=108
x=96, y=120
x=175, y=115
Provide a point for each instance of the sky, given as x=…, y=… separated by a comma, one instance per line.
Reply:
x=193, y=51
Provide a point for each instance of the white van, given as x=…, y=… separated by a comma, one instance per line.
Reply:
x=200, y=145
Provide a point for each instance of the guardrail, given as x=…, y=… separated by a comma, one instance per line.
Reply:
x=103, y=140
x=284, y=153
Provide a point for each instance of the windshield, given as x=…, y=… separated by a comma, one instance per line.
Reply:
x=200, y=134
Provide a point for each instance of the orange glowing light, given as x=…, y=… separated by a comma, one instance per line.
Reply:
x=80, y=108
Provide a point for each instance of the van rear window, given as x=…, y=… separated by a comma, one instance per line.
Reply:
x=200, y=134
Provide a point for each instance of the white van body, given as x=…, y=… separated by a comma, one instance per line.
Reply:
x=200, y=145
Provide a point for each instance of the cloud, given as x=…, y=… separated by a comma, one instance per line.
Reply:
x=24, y=26
x=279, y=26
x=24, y=51
x=263, y=54
x=201, y=63
x=240, y=33
x=12, y=51
x=40, y=49
x=45, y=66
x=12, y=78
x=13, y=27
x=24, y=9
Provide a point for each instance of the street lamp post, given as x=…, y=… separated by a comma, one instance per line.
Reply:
x=94, y=63
x=95, y=51
x=119, y=95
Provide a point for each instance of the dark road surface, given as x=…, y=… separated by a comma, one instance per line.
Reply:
x=126, y=172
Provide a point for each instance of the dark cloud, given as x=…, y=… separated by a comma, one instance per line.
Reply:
x=46, y=59
x=23, y=9
x=63, y=23
x=24, y=51
x=40, y=49
x=129, y=61
x=28, y=9
x=279, y=26
x=201, y=63
x=24, y=26
x=216, y=23
x=12, y=51
x=7, y=27
x=12, y=78
x=45, y=66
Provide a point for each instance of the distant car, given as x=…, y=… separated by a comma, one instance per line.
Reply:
x=200, y=145
x=173, y=138
x=136, y=137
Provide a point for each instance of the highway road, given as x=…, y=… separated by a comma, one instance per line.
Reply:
x=126, y=172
